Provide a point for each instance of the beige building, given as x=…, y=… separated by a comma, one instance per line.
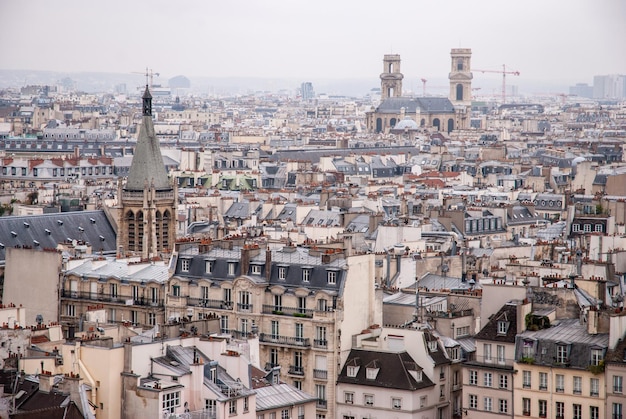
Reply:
x=303, y=304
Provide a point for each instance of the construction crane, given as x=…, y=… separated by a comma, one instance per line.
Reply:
x=504, y=72
x=149, y=76
x=434, y=87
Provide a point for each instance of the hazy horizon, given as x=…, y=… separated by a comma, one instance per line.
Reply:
x=560, y=42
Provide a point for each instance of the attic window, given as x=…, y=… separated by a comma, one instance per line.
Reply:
x=48, y=232
x=352, y=371
x=13, y=233
x=26, y=224
x=81, y=229
x=432, y=346
x=59, y=222
x=93, y=221
x=503, y=327
x=371, y=373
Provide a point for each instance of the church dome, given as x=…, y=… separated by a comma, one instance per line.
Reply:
x=406, y=124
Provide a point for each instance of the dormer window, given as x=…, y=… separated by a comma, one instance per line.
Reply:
x=332, y=277
x=282, y=273
x=306, y=275
x=371, y=373
x=597, y=356
x=432, y=346
x=208, y=266
x=231, y=268
x=503, y=327
x=352, y=371
x=255, y=269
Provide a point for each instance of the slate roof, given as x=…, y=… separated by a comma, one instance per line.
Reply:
x=121, y=270
x=426, y=105
x=570, y=332
x=617, y=355
x=393, y=370
x=508, y=314
x=50, y=229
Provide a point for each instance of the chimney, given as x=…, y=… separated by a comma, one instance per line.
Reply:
x=592, y=321
x=46, y=382
x=245, y=260
x=268, y=264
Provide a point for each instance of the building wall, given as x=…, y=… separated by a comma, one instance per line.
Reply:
x=33, y=285
x=104, y=365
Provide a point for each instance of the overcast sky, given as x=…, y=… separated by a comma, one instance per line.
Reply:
x=546, y=40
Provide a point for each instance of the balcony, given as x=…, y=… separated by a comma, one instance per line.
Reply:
x=320, y=374
x=287, y=311
x=285, y=340
x=296, y=370
x=320, y=343
x=321, y=404
x=238, y=334
x=208, y=303
x=111, y=298
x=245, y=308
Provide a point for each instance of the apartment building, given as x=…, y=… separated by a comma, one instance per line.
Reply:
x=303, y=304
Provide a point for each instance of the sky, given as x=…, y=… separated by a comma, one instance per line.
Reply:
x=545, y=40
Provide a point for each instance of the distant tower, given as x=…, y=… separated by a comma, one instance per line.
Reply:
x=306, y=90
x=391, y=77
x=147, y=219
x=461, y=77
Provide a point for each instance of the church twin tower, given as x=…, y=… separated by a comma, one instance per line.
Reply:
x=460, y=77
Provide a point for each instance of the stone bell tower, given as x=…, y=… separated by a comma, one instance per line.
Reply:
x=147, y=218
x=391, y=77
x=461, y=77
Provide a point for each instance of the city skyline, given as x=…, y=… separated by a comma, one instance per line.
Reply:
x=557, y=41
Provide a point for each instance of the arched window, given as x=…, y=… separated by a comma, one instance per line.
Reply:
x=379, y=124
x=158, y=225
x=132, y=230
x=140, y=232
x=422, y=122
x=392, y=122
x=459, y=92
x=436, y=123
x=166, y=229
x=459, y=64
x=450, y=125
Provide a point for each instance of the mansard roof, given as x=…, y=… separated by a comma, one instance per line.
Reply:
x=48, y=230
x=393, y=370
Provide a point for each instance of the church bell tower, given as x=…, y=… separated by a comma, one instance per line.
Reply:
x=461, y=77
x=391, y=77
x=147, y=218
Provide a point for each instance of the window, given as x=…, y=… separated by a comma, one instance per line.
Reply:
x=577, y=411
x=70, y=310
x=369, y=399
x=255, y=270
x=561, y=354
x=332, y=277
x=526, y=379
x=299, y=332
x=246, y=404
x=473, y=401
x=526, y=406
x=560, y=383
x=503, y=327
x=423, y=401
x=348, y=397
x=176, y=290
x=543, y=381
x=171, y=401
x=396, y=403
x=184, y=265
x=473, y=377
x=560, y=410
x=487, y=379
x=594, y=412
x=243, y=326
x=274, y=357
x=231, y=268
x=587, y=228
x=442, y=391
x=228, y=297
x=284, y=414
x=504, y=381
x=575, y=228
x=306, y=275
x=487, y=405
x=224, y=324
x=210, y=406
x=543, y=408
x=617, y=384
x=208, y=266
x=598, y=228
x=282, y=273
x=500, y=351
x=322, y=304
x=113, y=290
x=503, y=406
x=320, y=336
x=595, y=387
x=244, y=300
x=232, y=407
x=596, y=356
x=487, y=352
x=152, y=319
x=371, y=373
x=617, y=411
x=134, y=317
x=297, y=384
x=578, y=385
x=462, y=331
